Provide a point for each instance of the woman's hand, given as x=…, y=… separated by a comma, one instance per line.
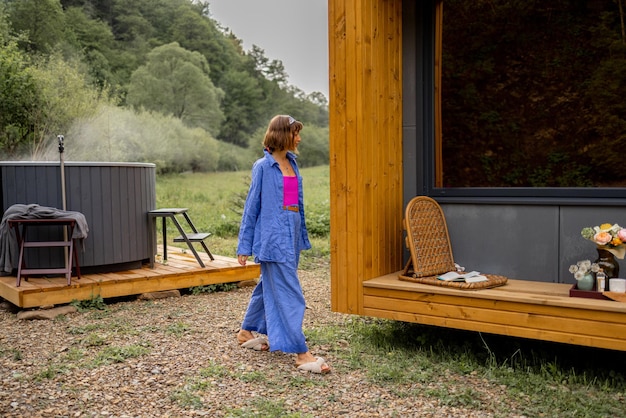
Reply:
x=242, y=259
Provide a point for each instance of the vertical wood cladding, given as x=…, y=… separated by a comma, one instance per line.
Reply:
x=365, y=61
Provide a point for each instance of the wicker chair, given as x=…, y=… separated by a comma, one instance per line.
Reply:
x=429, y=243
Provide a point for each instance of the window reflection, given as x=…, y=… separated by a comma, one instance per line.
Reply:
x=532, y=94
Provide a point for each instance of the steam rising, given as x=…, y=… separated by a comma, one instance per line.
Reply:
x=123, y=135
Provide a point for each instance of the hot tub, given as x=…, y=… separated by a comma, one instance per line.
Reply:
x=114, y=197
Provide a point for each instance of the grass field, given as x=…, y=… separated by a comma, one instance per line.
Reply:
x=215, y=202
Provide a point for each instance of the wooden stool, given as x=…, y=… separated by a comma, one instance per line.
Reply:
x=23, y=243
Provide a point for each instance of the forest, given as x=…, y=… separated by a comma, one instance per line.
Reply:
x=155, y=81
x=533, y=93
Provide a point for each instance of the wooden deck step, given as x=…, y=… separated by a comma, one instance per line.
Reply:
x=41, y=244
x=196, y=237
x=44, y=272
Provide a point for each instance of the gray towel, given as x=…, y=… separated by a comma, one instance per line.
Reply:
x=9, y=251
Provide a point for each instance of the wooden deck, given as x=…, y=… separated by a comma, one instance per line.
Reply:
x=536, y=310
x=181, y=271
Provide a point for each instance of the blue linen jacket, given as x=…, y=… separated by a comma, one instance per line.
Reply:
x=264, y=224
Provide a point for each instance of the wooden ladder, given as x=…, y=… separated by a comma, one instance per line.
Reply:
x=186, y=237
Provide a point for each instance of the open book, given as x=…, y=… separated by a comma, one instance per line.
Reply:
x=455, y=276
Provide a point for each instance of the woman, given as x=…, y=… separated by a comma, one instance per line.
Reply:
x=274, y=230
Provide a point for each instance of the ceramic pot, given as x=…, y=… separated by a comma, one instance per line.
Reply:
x=586, y=282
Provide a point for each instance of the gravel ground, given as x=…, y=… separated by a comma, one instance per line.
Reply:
x=178, y=357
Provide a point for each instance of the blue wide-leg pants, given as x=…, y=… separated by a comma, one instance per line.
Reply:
x=277, y=307
x=277, y=303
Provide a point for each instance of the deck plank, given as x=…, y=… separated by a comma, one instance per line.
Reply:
x=509, y=330
x=179, y=272
x=524, y=316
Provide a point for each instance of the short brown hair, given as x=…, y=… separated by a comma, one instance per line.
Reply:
x=281, y=133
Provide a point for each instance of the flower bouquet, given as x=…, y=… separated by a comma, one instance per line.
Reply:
x=582, y=272
x=607, y=237
x=582, y=268
x=585, y=272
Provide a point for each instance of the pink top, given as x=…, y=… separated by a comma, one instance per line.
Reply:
x=290, y=186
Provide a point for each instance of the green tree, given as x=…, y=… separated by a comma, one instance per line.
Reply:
x=175, y=81
x=95, y=39
x=310, y=109
x=242, y=106
x=4, y=25
x=64, y=96
x=18, y=95
x=271, y=76
x=42, y=21
x=195, y=32
x=130, y=24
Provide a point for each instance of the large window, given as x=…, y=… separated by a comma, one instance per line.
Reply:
x=530, y=95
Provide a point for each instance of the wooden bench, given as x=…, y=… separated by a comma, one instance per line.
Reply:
x=527, y=309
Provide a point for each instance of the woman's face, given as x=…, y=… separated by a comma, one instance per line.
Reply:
x=296, y=139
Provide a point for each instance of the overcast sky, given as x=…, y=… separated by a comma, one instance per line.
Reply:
x=292, y=31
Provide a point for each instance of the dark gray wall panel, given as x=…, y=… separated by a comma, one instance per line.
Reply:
x=526, y=242
x=520, y=242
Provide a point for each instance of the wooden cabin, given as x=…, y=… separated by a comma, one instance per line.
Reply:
x=385, y=134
